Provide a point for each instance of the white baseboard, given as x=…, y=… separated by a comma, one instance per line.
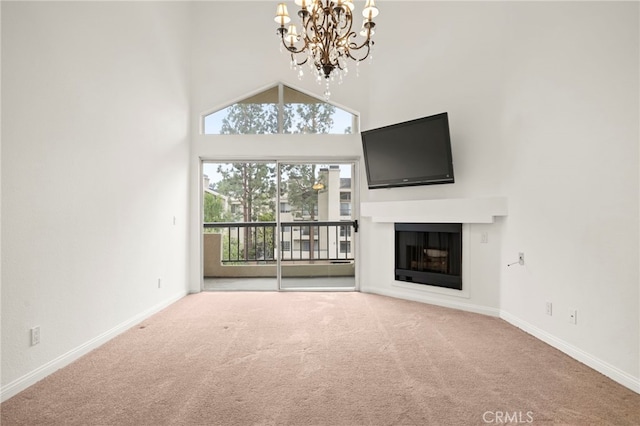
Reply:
x=22, y=383
x=401, y=293
x=597, y=364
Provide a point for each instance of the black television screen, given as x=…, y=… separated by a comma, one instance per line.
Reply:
x=416, y=152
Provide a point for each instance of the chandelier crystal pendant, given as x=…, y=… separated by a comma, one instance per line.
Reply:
x=327, y=41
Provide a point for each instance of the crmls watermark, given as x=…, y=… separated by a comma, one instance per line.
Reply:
x=507, y=417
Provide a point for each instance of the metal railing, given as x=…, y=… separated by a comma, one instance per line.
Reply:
x=256, y=242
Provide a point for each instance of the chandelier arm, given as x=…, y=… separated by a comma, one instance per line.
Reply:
x=348, y=22
x=327, y=31
x=300, y=63
x=354, y=46
x=326, y=34
x=366, y=55
x=291, y=49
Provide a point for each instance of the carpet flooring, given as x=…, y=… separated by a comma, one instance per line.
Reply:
x=267, y=358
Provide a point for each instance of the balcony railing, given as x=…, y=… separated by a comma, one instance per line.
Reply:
x=259, y=242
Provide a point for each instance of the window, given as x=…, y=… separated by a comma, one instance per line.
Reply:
x=305, y=212
x=345, y=196
x=285, y=245
x=306, y=230
x=345, y=246
x=285, y=207
x=304, y=245
x=345, y=209
x=345, y=231
x=279, y=109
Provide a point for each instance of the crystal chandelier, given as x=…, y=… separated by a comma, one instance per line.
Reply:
x=326, y=40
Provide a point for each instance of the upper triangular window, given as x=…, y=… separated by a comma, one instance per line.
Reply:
x=280, y=109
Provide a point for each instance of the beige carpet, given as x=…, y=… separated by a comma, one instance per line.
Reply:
x=322, y=359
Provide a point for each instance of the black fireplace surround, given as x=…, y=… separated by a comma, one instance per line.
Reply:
x=429, y=253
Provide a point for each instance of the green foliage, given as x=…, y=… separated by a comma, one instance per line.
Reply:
x=265, y=237
x=250, y=119
x=250, y=184
x=298, y=186
x=301, y=196
x=314, y=118
x=214, y=209
x=253, y=186
x=230, y=249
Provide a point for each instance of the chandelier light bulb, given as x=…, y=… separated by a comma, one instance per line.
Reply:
x=282, y=15
x=370, y=10
x=292, y=35
x=349, y=4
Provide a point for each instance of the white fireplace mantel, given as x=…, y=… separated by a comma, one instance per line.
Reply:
x=451, y=210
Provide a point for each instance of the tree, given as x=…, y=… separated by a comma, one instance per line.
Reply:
x=265, y=237
x=301, y=195
x=252, y=185
x=314, y=118
x=215, y=209
x=246, y=119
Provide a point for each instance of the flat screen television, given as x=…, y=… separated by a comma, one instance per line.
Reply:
x=416, y=152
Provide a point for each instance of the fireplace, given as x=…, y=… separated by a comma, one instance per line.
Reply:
x=429, y=253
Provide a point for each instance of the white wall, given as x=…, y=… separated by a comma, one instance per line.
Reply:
x=94, y=169
x=571, y=120
x=453, y=63
x=543, y=106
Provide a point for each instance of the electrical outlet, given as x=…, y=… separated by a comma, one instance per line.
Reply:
x=521, y=258
x=573, y=316
x=549, y=309
x=484, y=237
x=35, y=335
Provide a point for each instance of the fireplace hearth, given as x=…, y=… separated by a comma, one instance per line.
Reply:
x=429, y=253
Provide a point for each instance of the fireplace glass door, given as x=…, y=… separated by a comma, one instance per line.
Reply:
x=428, y=253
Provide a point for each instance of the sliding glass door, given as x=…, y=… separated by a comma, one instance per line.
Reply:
x=278, y=226
x=317, y=244
x=239, y=226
